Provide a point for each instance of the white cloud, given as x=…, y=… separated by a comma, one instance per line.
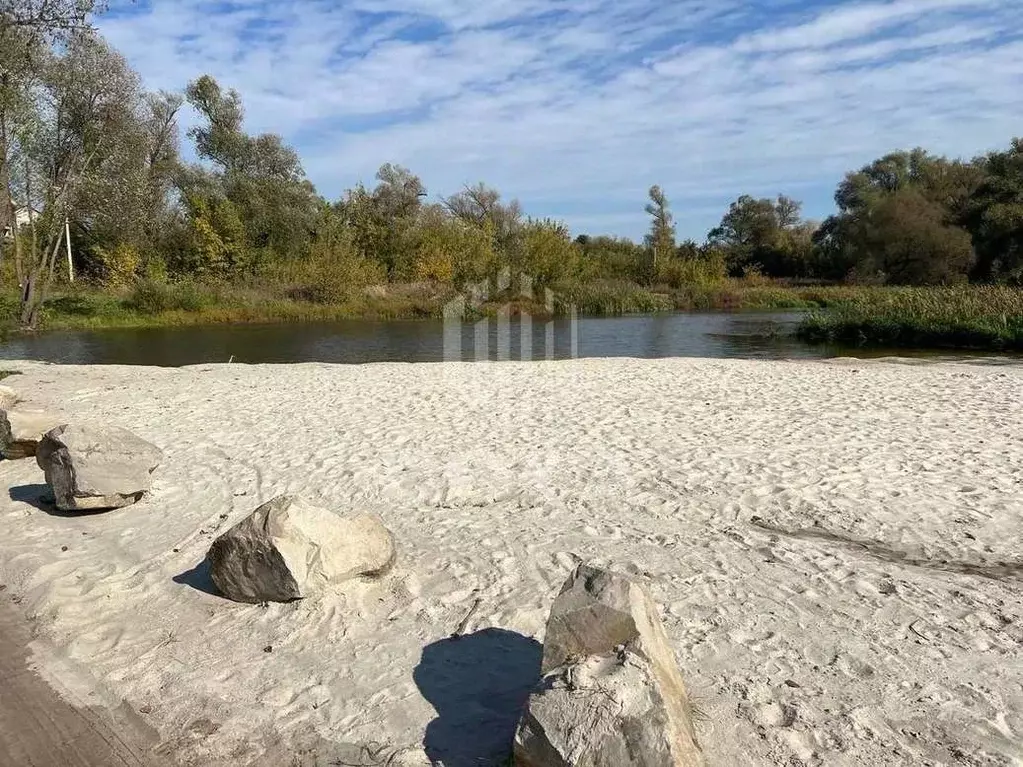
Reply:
x=580, y=105
x=852, y=21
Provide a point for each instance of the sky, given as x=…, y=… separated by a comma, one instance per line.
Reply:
x=576, y=107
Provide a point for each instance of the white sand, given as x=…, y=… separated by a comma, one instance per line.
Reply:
x=871, y=615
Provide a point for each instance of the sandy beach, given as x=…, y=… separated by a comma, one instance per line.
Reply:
x=837, y=550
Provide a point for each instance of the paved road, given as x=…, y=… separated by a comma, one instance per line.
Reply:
x=39, y=729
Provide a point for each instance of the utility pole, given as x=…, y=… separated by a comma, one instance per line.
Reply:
x=67, y=240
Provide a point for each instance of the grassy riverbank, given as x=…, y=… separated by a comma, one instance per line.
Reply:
x=953, y=318
x=156, y=304
x=964, y=317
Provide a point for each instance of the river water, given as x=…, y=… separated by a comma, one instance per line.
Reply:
x=748, y=335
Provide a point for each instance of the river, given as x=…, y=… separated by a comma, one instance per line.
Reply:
x=748, y=335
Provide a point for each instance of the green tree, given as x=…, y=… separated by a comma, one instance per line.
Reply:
x=909, y=240
x=216, y=238
x=384, y=222
x=763, y=234
x=77, y=114
x=616, y=258
x=260, y=175
x=994, y=216
x=481, y=206
x=27, y=28
x=661, y=239
x=128, y=201
x=549, y=254
x=449, y=249
x=865, y=237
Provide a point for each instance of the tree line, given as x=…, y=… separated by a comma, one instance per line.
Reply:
x=87, y=151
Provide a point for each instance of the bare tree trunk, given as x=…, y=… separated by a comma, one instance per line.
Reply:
x=30, y=278
x=28, y=295
x=19, y=261
x=52, y=266
x=29, y=209
x=39, y=280
x=7, y=218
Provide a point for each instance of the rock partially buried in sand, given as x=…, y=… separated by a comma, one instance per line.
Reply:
x=21, y=431
x=8, y=398
x=289, y=549
x=612, y=694
x=96, y=467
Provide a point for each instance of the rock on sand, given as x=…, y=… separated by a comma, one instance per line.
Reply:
x=289, y=549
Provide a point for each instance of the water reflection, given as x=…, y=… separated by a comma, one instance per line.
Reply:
x=747, y=335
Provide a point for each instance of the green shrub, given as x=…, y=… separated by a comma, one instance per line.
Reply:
x=608, y=298
x=155, y=297
x=961, y=317
x=684, y=272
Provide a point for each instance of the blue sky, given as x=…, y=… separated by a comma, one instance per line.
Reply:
x=577, y=106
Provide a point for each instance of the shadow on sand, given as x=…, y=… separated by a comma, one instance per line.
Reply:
x=478, y=684
x=199, y=579
x=41, y=497
x=37, y=496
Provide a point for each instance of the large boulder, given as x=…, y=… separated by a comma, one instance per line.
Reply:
x=96, y=467
x=612, y=694
x=289, y=549
x=21, y=431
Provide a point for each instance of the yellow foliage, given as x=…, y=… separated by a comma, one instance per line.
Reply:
x=217, y=238
x=118, y=265
x=452, y=251
x=549, y=253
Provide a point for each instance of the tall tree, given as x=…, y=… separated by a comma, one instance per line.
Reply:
x=613, y=258
x=909, y=240
x=48, y=18
x=661, y=239
x=866, y=236
x=80, y=108
x=765, y=234
x=482, y=207
x=383, y=221
x=259, y=175
x=994, y=216
x=128, y=202
x=27, y=27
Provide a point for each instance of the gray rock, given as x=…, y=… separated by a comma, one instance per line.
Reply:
x=96, y=467
x=289, y=549
x=22, y=430
x=612, y=694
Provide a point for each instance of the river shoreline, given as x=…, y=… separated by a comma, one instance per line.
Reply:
x=978, y=318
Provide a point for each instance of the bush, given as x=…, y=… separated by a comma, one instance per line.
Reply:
x=452, y=251
x=154, y=297
x=548, y=253
x=961, y=317
x=608, y=297
x=684, y=272
x=333, y=273
x=335, y=282
x=117, y=267
x=612, y=258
